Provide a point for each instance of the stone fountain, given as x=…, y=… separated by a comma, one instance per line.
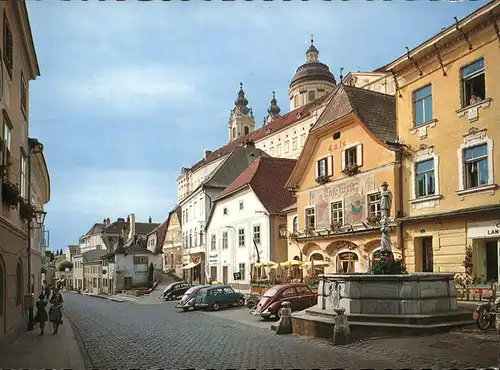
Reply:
x=383, y=304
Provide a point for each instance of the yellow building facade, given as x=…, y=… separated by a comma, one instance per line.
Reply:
x=448, y=120
x=337, y=182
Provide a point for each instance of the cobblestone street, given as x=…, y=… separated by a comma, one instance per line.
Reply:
x=129, y=335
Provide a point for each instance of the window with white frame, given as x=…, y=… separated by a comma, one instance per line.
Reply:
x=7, y=135
x=322, y=167
x=425, y=178
x=476, y=166
x=286, y=146
x=296, y=100
x=22, y=180
x=190, y=238
x=256, y=234
x=374, y=205
x=302, y=139
x=241, y=205
x=201, y=207
x=310, y=218
x=294, y=143
x=473, y=83
x=295, y=224
x=195, y=208
x=195, y=237
x=201, y=234
x=225, y=241
x=422, y=105
x=352, y=156
x=271, y=151
x=213, y=242
x=337, y=212
x=241, y=237
x=241, y=268
x=278, y=149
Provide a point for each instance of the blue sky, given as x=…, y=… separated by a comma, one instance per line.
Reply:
x=131, y=91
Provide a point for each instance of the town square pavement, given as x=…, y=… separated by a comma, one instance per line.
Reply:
x=129, y=335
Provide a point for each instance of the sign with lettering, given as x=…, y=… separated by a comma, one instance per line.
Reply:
x=352, y=191
x=484, y=229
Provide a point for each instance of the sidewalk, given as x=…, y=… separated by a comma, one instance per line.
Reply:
x=33, y=351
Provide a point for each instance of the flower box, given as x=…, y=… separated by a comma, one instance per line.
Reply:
x=10, y=194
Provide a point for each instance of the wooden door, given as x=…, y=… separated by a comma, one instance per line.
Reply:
x=224, y=275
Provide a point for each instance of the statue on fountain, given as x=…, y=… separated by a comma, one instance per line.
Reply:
x=385, y=211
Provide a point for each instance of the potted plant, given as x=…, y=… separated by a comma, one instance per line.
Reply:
x=10, y=194
x=351, y=169
x=294, y=236
x=309, y=231
x=26, y=210
x=335, y=226
x=321, y=180
x=373, y=220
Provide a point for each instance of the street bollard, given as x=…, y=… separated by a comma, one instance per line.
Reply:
x=285, y=322
x=341, y=330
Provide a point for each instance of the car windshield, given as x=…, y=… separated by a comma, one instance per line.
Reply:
x=169, y=286
x=271, y=292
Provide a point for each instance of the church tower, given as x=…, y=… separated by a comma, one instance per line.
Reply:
x=312, y=80
x=273, y=111
x=241, y=120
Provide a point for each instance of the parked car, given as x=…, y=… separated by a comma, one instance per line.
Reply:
x=300, y=297
x=175, y=290
x=188, y=300
x=217, y=296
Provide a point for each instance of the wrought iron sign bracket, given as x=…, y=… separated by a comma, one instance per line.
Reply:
x=396, y=83
x=440, y=59
x=462, y=32
x=495, y=25
x=413, y=61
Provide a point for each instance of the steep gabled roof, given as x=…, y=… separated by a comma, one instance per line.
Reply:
x=267, y=177
x=160, y=232
x=96, y=228
x=266, y=130
x=377, y=111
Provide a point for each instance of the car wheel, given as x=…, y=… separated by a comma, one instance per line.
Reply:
x=185, y=309
x=216, y=306
x=241, y=302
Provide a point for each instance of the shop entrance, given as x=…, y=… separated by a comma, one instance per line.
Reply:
x=492, y=260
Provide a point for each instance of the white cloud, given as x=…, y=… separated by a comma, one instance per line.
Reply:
x=107, y=192
x=132, y=88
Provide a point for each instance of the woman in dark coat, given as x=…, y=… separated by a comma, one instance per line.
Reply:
x=41, y=313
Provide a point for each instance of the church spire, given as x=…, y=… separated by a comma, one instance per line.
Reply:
x=312, y=54
x=241, y=120
x=274, y=110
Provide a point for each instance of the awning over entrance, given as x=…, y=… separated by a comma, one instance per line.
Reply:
x=191, y=265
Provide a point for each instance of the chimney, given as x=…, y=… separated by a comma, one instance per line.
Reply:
x=207, y=153
x=132, y=226
x=108, y=222
x=150, y=219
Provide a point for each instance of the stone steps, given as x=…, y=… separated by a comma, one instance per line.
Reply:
x=312, y=323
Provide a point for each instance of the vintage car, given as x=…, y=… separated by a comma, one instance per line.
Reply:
x=188, y=300
x=175, y=290
x=217, y=296
x=300, y=297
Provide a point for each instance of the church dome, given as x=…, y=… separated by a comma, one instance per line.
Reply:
x=312, y=69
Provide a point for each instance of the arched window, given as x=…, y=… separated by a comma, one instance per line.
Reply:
x=19, y=284
x=234, y=132
x=247, y=130
x=295, y=224
x=2, y=285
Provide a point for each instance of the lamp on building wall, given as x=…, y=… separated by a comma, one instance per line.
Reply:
x=283, y=232
x=34, y=147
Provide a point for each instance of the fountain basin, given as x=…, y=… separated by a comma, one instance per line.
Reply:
x=385, y=305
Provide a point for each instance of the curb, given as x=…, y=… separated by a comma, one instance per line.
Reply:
x=78, y=357
x=104, y=297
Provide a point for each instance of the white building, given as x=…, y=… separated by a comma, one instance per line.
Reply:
x=195, y=208
x=246, y=223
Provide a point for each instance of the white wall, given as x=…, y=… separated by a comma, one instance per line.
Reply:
x=193, y=212
x=91, y=242
x=151, y=242
x=138, y=273
x=189, y=181
x=237, y=219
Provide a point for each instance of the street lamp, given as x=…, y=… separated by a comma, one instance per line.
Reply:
x=34, y=147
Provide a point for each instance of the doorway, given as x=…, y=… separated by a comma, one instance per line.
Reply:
x=427, y=255
x=224, y=275
x=492, y=260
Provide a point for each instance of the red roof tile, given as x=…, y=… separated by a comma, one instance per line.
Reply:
x=274, y=126
x=267, y=178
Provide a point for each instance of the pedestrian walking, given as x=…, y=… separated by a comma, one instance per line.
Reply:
x=41, y=313
x=55, y=311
